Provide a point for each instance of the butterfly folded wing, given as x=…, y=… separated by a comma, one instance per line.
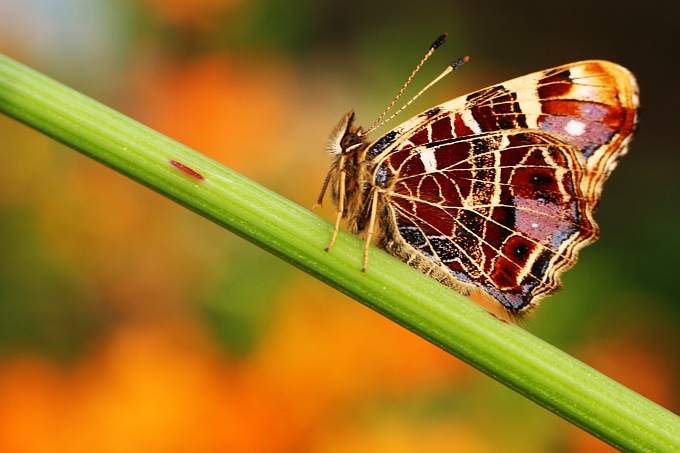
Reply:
x=495, y=190
x=501, y=211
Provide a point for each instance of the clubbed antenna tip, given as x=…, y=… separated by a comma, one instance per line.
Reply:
x=455, y=65
x=460, y=62
x=439, y=41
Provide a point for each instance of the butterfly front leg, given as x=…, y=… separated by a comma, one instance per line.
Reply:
x=341, y=176
x=319, y=201
x=371, y=226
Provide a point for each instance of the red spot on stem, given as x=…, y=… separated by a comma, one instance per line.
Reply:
x=187, y=170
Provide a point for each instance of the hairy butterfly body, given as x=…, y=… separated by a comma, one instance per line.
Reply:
x=492, y=192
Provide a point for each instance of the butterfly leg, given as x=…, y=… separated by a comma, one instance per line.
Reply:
x=371, y=226
x=341, y=202
x=323, y=191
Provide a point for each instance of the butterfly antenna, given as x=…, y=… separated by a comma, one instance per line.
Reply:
x=438, y=42
x=452, y=67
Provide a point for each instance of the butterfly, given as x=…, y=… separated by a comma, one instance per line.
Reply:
x=491, y=193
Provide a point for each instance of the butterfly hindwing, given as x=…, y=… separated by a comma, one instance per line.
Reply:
x=499, y=210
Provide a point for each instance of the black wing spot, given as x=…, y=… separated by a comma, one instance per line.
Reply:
x=521, y=251
x=432, y=112
x=541, y=179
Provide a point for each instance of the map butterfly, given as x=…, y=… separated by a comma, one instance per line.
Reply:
x=491, y=193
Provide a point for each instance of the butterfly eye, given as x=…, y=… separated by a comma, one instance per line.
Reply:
x=349, y=142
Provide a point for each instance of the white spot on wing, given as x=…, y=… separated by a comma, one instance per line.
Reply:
x=470, y=121
x=505, y=142
x=575, y=128
x=428, y=160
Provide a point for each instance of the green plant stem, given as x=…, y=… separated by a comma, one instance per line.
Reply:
x=503, y=351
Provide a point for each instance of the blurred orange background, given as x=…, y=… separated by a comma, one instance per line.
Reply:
x=128, y=323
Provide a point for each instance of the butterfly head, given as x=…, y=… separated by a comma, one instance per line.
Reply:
x=345, y=137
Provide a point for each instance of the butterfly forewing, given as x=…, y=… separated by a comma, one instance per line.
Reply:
x=591, y=105
x=496, y=190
